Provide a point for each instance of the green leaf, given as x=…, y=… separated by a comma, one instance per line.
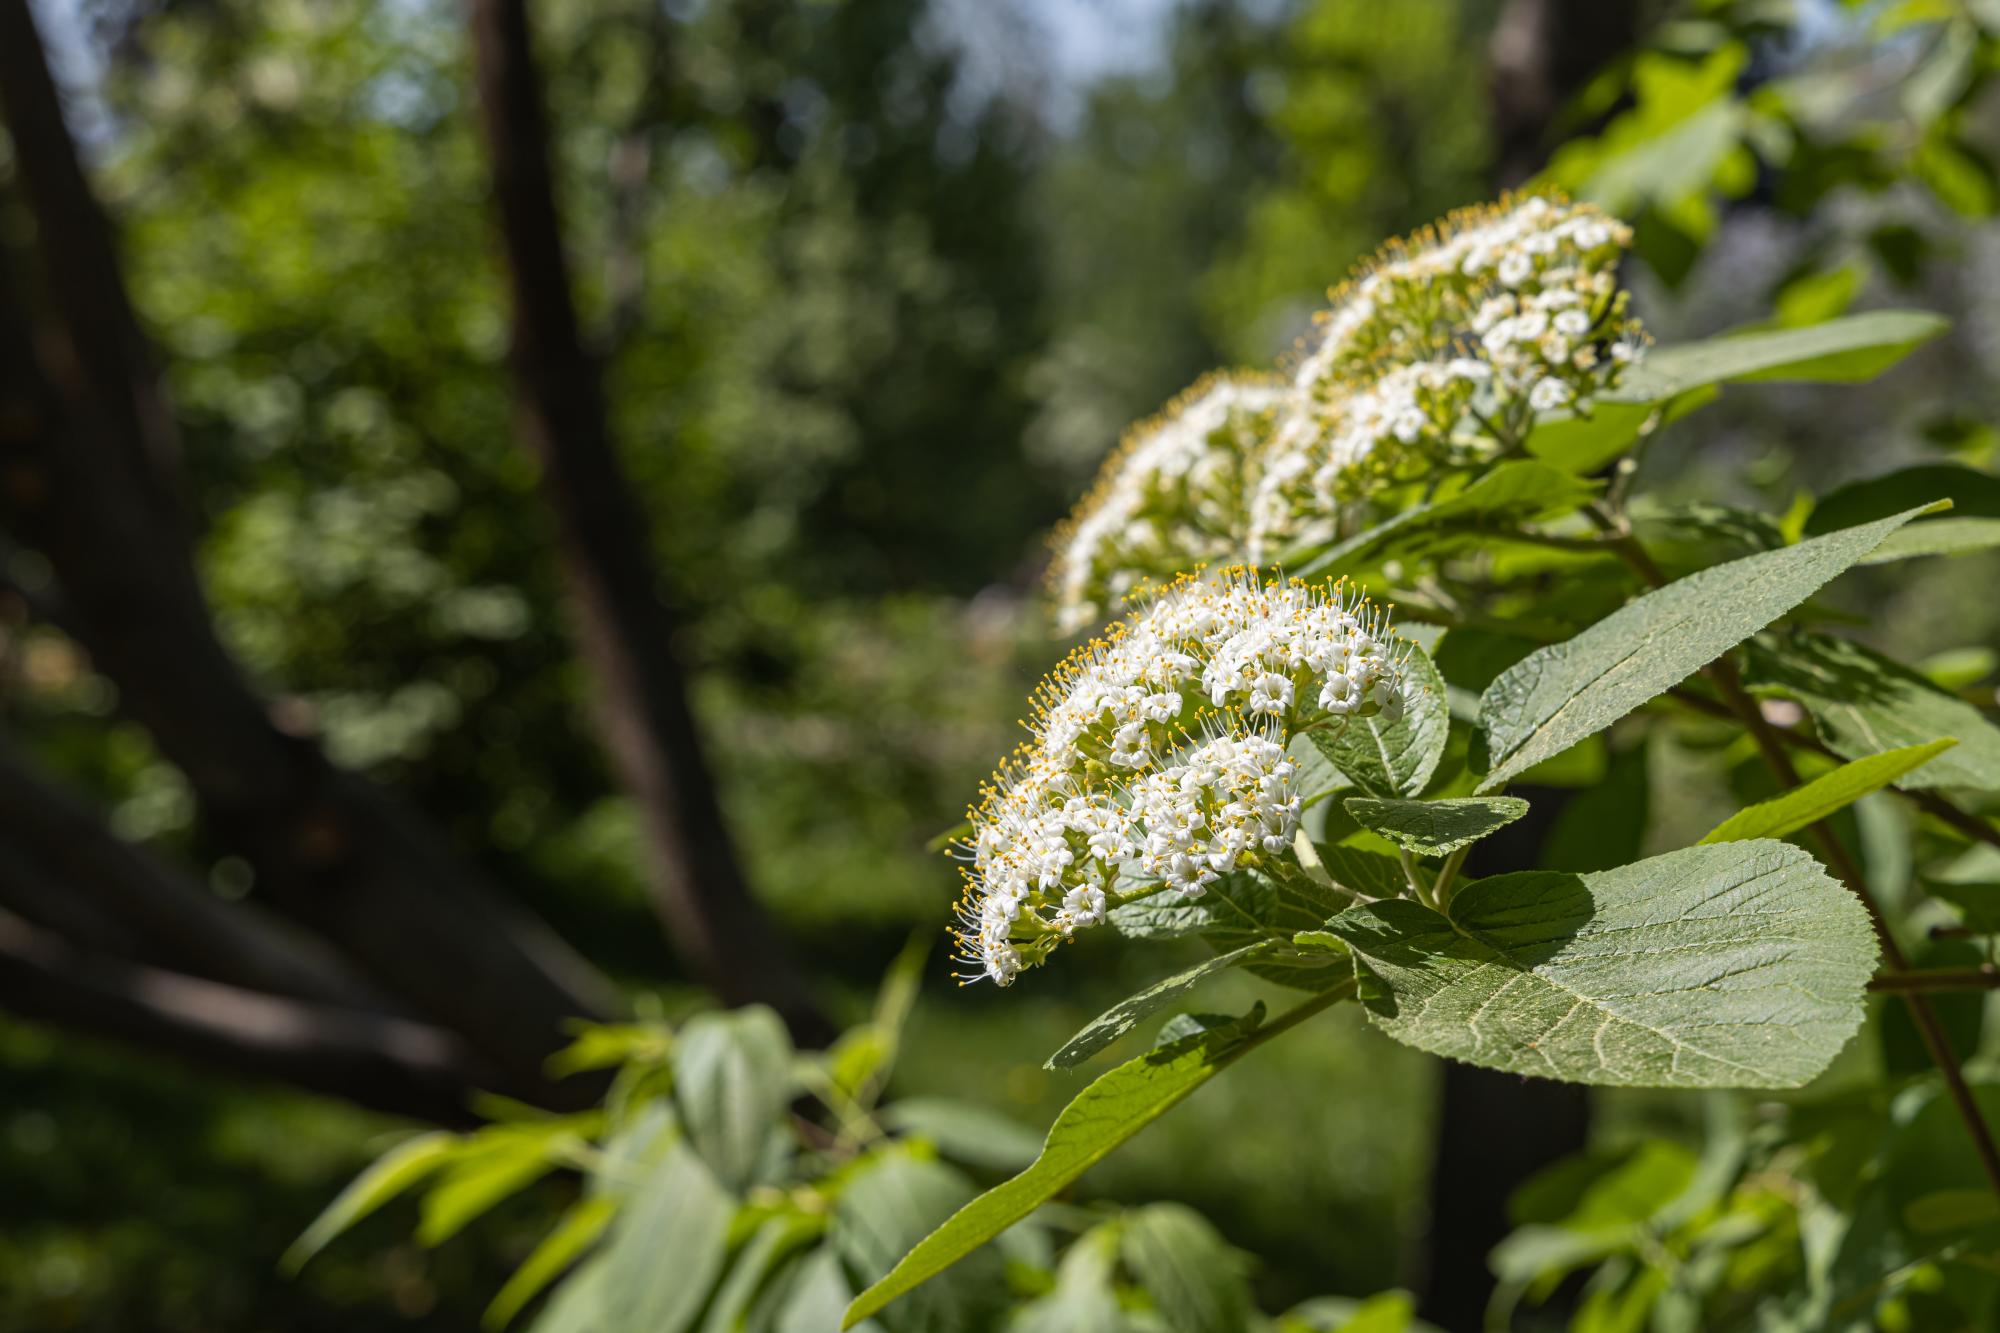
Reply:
x=493, y=1164
x=1863, y=703
x=1560, y=694
x=1741, y=965
x=1111, y=1110
x=1978, y=904
x=389, y=1175
x=1815, y=800
x=1971, y=492
x=1940, y=536
x=775, y=1241
x=1392, y=759
x=964, y=1131
x=1188, y=1270
x=1506, y=499
x=1084, y=1300
x=668, y=1247
x=1122, y=1017
x=732, y=1079
x=890, y=1205
x=1604, y=825
x=580, y=1228
x=1583, y=444
x=1433, y=828
x=1840, y=351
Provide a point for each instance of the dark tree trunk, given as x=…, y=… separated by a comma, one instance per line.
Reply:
x=625, y=628
x=1494, y=1129
x=85, y=441
x=1541, y=55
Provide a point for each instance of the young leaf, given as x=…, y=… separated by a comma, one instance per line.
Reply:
x=1105, y=1114
x=1840, y=351
x=1583, y=444
x=1560, y=694
x=1122, y=1017
x=1814, y=801
x=1433, y=828
x=580, y=1228
x=667, y=1248
x=1512, y=495
x=1394, y=758
x=394, y=1172
x=891, y=1204
x=1189, y=1270
x=1740, y=965
x=1863, y=702
x=495, y=1163
x=732, y=1077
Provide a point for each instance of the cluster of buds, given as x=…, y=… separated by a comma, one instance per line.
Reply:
x=1437, y=356
x=1159, y=757
x=1169, y=497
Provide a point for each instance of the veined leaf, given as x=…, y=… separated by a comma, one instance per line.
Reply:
x=1741, y=965
x=1187, y=1268
x=888, y=1206
x=1397, y=758
x=1840, y=351
x=1815, y=800
x=1111, y=1110
x=1560, y=694
x=667, y=1248
x=1511, y=495
x=1864, y=703
x=394, y=1172
x=1433, y=828
x=775, y=1241
x=732, y=1076
x=1122, y=1017
x=580, y=1228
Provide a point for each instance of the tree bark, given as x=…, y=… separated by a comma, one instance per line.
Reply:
x=60, y=866
x=626, y=630
x=83, y=437
x=380, y=1062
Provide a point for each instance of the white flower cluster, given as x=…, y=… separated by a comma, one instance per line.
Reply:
x=1508, y=312
x=1323, y=458
x=1436, y=357
x=1114, y=790
x=1167, y=498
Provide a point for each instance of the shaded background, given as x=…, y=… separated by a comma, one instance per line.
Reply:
x=681, y=631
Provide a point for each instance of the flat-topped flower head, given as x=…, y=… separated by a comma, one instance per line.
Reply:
x=1169, y=497
x=1158, y=757
x=1417, y=298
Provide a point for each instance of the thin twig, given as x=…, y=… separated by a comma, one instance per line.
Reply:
x=1984, y=977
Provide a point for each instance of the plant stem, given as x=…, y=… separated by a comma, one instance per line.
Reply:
x=1729, y=684
x=1441, y=890
x=1415, y=880
x=1985, y=977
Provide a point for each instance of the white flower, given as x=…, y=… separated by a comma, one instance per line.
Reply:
x=1167, y=498
x=1110, y=791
